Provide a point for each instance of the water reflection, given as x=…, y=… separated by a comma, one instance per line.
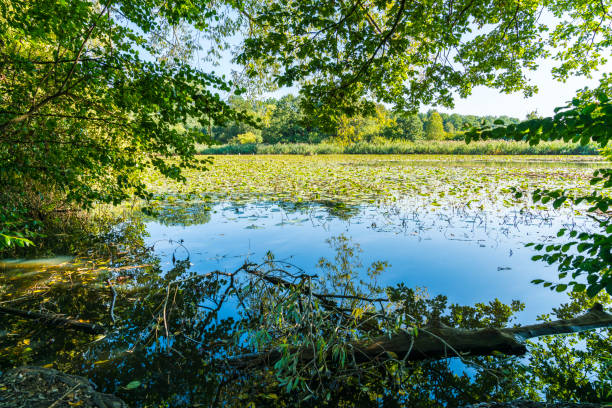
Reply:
x=180, y=212
x=178, y=305
x=469, y=252
x=178, y=333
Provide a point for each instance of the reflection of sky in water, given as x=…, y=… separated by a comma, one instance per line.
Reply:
x=466, y=254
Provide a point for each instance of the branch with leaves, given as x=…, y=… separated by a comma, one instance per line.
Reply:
x=587, y=255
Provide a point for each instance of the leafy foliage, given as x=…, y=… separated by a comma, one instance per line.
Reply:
x=558, y=363
x=246, y=138
x=409, y=54
x=434, y=128
x=78, y=112
x=587, y=255
x=16, y=230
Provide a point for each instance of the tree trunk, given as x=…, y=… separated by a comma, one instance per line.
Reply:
x=443, y=342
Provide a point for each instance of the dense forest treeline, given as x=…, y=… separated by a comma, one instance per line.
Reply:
x=284, y=120
x=385, y=146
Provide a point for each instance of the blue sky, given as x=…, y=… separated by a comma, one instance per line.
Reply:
x=552, y=93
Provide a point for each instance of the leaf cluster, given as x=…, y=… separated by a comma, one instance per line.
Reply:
x=588, y=118
x=90, y=100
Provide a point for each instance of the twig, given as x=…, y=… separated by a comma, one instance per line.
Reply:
x=112, y=308
x=64, y=396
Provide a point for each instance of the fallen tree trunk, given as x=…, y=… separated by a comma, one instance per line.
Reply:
x=54, y=321
x=443, y=342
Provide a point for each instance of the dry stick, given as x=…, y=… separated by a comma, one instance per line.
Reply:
x=164, y=314
x=64, y=396
x=112, y=308
x=324, y=299
x=55, y=321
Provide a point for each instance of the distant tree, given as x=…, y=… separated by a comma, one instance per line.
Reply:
x=284, y=123
x=449, y=127
x=246, y=138
x=375, y=125
x=229, y=131
x=445, y=116
x=346, y=130
x=414, y=127
x=488, y=120
x=471, y=120
x=456, y=120
x=223, y=134
x=508, y=120
x=533, y=115
x=405, y=128
x=423, y=117
x=363, y=128
x=434, y=128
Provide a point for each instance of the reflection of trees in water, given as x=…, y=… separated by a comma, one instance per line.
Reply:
x=187, y=337
x=183, y=213
x=340, y=209
x=478, y=224
x=413, y=218
x=196, y=213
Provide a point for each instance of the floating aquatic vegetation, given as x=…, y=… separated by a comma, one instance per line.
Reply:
x=350, y=180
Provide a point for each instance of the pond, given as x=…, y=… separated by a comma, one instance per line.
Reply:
x=448, y=225
x=451, y=226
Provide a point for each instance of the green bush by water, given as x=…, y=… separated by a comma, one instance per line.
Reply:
x=492, y=147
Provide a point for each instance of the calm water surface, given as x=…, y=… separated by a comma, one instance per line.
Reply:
x=451, y=230
x=470, y=253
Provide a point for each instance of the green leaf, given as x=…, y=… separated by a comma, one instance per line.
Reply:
x=593, y=290
x=132, y=385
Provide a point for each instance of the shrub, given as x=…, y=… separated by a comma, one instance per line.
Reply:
x=246, y=138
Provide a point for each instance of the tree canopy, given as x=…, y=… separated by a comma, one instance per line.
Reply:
x=434, y=128
x=79, y=114
x=93, y=93
x=413, y=53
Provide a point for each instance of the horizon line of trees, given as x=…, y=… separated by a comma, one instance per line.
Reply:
x=283, y=120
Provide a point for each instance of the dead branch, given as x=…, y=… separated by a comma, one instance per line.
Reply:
x=54, y=320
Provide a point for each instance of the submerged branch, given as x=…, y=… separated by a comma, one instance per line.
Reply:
x=443, y=342
x=54, y=321
x=324, y=299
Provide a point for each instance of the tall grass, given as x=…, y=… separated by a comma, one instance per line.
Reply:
x=492, y=147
